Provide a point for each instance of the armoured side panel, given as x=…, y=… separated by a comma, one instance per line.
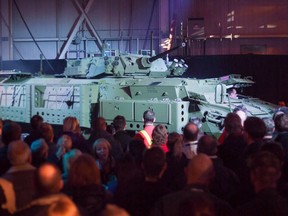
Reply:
x=51, y=101
x=88, y=99
x=15, y=102
x=179, y=116
x=162, y=110
x=141, y=92
x=173, y=114
x=110, y=109
x=55, y=102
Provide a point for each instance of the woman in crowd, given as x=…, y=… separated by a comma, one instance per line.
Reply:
x=176, y=163
x=84, y=186
x=160, y=137
x=106, y=163
x=71, y=127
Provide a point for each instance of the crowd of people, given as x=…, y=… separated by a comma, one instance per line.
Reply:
x=152, y=172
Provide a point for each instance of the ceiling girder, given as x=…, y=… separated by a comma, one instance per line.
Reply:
x=73, y=31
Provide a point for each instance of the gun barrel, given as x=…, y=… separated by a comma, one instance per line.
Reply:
x=146, y=62
x=161, y=55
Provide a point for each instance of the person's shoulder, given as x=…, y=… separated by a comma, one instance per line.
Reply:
x=282, y=136
x=122, y=133
x=172, y=197
x=138, y=135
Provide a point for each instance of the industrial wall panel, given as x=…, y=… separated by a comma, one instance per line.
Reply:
x=126, y=25
x=39, y=15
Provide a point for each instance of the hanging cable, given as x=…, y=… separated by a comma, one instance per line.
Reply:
x=130, y=28
x=149, y=24
x=10, y=35
x=16, y=5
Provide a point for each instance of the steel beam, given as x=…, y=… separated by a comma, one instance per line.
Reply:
x=90, y=25
x=75, y=27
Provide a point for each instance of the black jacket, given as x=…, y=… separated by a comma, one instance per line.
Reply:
x=90, y=199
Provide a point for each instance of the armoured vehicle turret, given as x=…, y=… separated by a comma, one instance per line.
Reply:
x=126, y=84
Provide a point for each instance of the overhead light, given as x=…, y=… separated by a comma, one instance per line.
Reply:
x=271, y=26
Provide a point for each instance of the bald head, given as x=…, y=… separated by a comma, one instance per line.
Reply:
x=200, y=170
x=49, y=179
x=190, y=132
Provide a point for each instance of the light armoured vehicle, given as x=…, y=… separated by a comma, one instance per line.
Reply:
x=127, y=85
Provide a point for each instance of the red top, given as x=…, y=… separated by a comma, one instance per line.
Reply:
x=149, y=129
x=222, y=137
x=165, y=148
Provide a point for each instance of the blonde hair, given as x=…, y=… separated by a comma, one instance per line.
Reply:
x=71, y=124
x=159, y=135
x=101, y=141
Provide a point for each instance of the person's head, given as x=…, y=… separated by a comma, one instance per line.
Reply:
x=279, y=111
x=99, y=124
x=39, y=149
x=232, y=93
x=196, y=120
x=174, y=143
x=111, y=129
x=265, y=171
x=119, y=123
x=149, y=117
x=154, y=162
x=255, y=128
x=101, y=149
x=63, y=206
x=200, y=170
x=46, y=132
x=190, y=132
x=84, y=172
x=270, y=125
x=207, y=145
x=49, y=179
x=240, y=108
x=232, y=123
x=281, y=122
x=69, y=158
x=65, y=142
x=19, y=153
x=71, y=124
x=11, y=132
x=275, y=148
x=241, y=111
x=159, y=135
x=35, y=121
